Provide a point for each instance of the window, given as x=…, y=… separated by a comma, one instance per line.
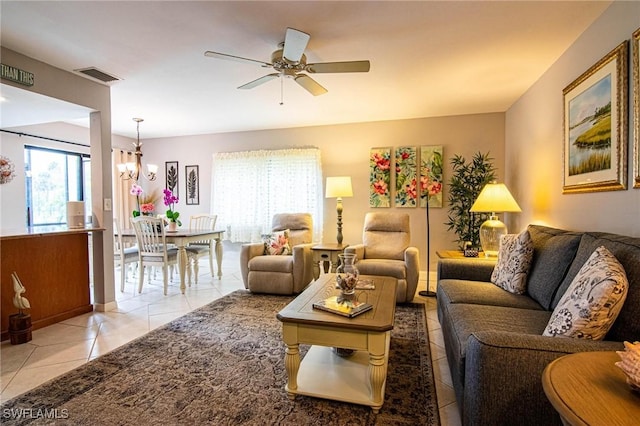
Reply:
x=54, y=177
x=248, y=188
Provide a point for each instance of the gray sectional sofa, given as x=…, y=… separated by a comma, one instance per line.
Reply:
x=493, y=338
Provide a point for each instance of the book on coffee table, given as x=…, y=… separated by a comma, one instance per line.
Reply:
x=345, y=308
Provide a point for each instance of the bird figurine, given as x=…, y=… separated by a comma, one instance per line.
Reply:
x=19, y=301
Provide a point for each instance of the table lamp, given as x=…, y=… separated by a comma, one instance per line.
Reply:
x=338, y=187
x=494, y=197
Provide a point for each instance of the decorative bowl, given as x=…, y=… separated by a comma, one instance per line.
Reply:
x=630, y=364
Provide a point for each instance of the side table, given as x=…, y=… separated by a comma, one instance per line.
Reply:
x=458, y=254
x=327, y=254
x=586, y=388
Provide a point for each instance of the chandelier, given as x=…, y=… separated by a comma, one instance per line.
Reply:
x=132, y=170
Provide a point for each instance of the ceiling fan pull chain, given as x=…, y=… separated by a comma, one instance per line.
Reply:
x=281, y=91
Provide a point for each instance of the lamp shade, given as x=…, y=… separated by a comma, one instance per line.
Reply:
x=338, y=187
x=495, y=197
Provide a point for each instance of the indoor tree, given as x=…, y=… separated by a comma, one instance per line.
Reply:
x=465, y=184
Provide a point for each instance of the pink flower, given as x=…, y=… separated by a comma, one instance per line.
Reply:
x=435, y=188
x=424, y=183
x=412, y=190
x=147, y=208
x=430, y=187
x=169, y=198
x=381, y=162
x=169, y=201
x=380, y=187
x=136, y=190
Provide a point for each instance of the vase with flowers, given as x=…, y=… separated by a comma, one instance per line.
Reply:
x=136, y=190
x=170, y=201
x=147, y=209
x=145, y=204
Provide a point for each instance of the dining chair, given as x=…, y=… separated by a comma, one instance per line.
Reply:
x=198, y=249
x=153, y=249
x=122, y=255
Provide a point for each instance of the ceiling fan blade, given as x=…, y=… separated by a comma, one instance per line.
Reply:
x=217, y=55
x=259, y=81
x=310, y=85
x=350, y=66
x=295, y=42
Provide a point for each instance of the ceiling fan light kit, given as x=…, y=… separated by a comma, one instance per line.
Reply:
x=290, y=61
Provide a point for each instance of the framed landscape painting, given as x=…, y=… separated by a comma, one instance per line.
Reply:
x=380, y=177
x=595, y=126
x=636, y=107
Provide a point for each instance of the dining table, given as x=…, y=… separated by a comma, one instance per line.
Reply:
x=181, y=239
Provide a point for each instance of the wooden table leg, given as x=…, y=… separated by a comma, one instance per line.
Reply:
x=377, y=369
x=219, y=257
x=316, y=269
x=182, y=266
x=291, y=358
x=292, y=365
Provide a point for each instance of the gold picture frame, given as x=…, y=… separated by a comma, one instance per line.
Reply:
x=595, y=126
x=635, y=40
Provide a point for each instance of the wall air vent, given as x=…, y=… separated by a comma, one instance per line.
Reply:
x=98, y=75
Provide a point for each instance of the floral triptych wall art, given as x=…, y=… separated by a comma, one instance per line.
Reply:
x=413, y=186
x=380, y=177
x=431, y=176
x=406, y=179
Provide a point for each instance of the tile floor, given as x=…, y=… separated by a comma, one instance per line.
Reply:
x=64, y=346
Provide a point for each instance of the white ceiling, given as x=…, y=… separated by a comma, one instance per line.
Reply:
x=428, y=58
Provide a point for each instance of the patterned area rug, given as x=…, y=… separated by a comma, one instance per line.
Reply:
x=223, y=364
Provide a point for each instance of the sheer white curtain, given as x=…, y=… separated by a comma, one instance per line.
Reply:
x=248, y=188
x=123, y=202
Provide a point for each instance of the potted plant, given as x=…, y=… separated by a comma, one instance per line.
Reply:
x=172, y=215
x=465, y=184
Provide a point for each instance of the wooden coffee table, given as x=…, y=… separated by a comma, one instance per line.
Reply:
x=359, y=378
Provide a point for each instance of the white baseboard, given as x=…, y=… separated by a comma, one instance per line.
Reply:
x=105, y=307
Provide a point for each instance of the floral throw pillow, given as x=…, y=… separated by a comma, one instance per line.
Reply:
x=593, y=300
x=277, y=243
x=514, y=261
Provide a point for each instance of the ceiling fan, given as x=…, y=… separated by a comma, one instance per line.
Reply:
x=290, y=61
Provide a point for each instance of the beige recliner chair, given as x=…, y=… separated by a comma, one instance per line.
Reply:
x=280, y=274
x=385, y=251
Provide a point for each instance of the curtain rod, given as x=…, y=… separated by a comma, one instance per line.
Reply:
x=44, y=137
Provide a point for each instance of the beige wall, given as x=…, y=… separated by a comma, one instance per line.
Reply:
x=534, y=140
x=345, y=151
